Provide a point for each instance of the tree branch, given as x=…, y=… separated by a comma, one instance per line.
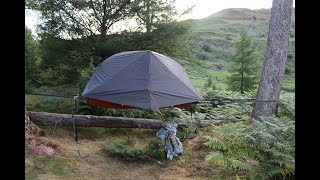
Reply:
x=95, y=12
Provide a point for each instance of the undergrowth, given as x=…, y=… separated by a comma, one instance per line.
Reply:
x=127, y=151
x=262, y=150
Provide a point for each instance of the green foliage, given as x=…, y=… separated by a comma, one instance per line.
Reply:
x=131, y=141
x=85, y=75
x=172, y=39
x=206, y=47
x=290, y=55
x=288, y=70
x=228, y=38
x=209, y=82
x=32, y=58
x=260, y=150
x=127, y=152
x=49, y=104
x=79, y=18
x=64, y=60
x=287, y=105
x=204, y=56
x=153, y=12
x=88, y=30
x=218, y=94
x=155, y=149
x=52, y=165
x=244, y=67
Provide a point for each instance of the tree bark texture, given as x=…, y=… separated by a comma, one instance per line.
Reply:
x=32, y=143
x=30, y=128
x=52, y=119
x=275, y=58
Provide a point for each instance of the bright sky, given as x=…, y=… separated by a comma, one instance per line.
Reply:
x=203, y=8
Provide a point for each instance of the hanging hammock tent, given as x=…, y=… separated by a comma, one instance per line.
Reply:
x=140, y=79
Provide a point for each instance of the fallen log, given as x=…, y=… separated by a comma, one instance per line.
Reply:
x=52, y=119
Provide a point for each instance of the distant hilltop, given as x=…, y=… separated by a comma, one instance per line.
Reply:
x=244, y=13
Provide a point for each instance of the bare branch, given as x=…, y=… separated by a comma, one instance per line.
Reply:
x=95, y=12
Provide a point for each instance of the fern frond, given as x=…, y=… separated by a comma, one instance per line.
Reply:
x=271, y=125
x=216, y=143
x=216, y=157
x=290, y=167
x=240, y=165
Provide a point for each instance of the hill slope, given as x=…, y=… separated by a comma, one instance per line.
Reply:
x=215, y=35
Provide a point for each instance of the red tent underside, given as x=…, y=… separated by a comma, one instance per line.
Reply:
x=106, y=104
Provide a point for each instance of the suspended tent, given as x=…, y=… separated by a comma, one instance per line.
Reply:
x=140, y=79
x=143, y=79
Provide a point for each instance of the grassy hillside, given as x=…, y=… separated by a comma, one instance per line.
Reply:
x=214, y=37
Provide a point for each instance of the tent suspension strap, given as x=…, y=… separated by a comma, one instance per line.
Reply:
x=233, y=101
x=51, y=95
x=74, y=122
x=55, y=126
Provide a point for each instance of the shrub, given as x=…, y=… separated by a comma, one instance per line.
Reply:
x=155, y=149
x=203, y=56
x=290, y=55
x=228, y=38
x=288, y=70
x=126, y=151
x=206, y=47
x=49, y=104
x=209, y=83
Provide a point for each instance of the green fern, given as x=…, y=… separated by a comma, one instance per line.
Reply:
x=216, y=143
x=216, y=157
x=237, y=164
x=270, y=143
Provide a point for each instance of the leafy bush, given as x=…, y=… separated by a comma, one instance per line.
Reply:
x=228, y=38
x=288, y=70
x=127, y=152
x=209, y=82
x=290, y=55
x=203, y=56
x=49, y=104
x=261, y=150
x=206, y=47
x=155, y=149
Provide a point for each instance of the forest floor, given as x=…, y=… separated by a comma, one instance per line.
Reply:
x=87, y=160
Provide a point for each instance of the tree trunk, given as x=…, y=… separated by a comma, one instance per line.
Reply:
x=103, y=33
x=275, y=58
x=148, y=23
x=241, y=83
x=103, y=30
x=30, y=128
x=32, y=143
x=52, y=119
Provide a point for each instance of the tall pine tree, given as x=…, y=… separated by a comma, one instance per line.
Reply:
x=243, y=68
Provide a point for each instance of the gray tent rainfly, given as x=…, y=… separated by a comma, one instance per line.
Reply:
x=140, y=79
